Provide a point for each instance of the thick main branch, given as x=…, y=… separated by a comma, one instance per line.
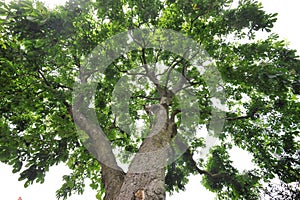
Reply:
x=100, y=147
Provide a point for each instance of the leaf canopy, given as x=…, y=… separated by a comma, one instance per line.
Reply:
x=41, y=55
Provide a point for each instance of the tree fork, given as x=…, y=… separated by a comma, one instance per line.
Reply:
x=146, y=175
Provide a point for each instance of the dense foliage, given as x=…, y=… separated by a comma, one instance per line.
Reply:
x=41, y=53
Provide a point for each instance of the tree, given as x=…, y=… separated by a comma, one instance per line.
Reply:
x=50, y=61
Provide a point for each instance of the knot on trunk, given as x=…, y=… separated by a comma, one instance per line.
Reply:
x=139, y=195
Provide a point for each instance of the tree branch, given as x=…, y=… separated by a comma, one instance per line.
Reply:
x=151, y=75
x=174, y=113
x=238, y=118
x=149, y=98
x=200, y=15
x=189, y=156
x=100, y=147
x=128, y=73
x=224, y=177
x=53, y=85
x=250, y=115
x=171, y=68
x=182, y=80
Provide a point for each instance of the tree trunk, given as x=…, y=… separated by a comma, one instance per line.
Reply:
x=141, y=186
x=145, y=178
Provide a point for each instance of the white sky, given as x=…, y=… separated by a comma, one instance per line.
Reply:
x=287, y=27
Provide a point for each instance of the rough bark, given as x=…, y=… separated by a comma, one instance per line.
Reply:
x=146, y=175
x=112, y=180
x=145, y=178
